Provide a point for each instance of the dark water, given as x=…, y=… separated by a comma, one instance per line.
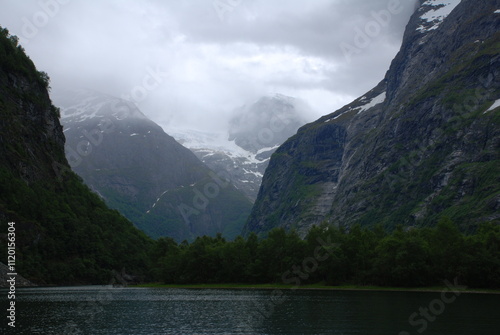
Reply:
x=104, y=310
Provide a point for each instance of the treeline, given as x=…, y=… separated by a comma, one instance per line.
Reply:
x=413, y=257
x=15, y=59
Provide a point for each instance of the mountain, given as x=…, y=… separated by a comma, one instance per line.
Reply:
x=254, y=132
x=61, y=232
x=144, y=173
x=422, y=144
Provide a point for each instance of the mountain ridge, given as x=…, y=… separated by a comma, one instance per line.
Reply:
x=145, y=173
x=403, y=159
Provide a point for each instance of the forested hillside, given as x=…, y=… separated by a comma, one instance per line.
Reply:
x=65, y=234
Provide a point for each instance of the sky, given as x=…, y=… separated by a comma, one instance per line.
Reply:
x=190, y=63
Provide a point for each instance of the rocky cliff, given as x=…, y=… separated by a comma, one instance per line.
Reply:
x=423, y=143
x=64, y=234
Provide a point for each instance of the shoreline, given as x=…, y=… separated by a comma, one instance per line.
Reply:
x=311, y=287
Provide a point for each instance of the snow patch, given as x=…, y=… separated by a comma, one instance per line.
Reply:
x=439, y=10
x=267, y=149
x=215, y=142
x=89, y=105
x=158, y=199
x=209, y=154
x=495, y=105
x=375, y=101
x=86, y=109
x=337, y=116
x=368, y=104
x=257, y=174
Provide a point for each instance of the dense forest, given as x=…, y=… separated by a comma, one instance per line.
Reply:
x=413, y=257
x=67, y=235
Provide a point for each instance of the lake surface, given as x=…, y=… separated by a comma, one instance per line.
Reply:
x=106, y=310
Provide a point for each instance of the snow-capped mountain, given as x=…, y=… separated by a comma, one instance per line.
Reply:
x=161, y=186
x=433, y=12
x=81, y=105
x=254, y=132
x=420, y=146
x=245, y=168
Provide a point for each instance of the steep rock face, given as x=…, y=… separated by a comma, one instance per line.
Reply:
x=146, y=174
x=64, y=234
x=22, y=89
x=421, y=144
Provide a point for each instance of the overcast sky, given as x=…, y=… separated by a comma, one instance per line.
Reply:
x=191, y=62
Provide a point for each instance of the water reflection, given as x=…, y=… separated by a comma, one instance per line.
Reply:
x=107, y=310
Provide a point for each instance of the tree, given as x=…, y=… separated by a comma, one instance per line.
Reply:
x=45, y=79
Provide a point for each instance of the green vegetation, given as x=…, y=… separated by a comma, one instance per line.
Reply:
x=15, y=59
x=165, y=219
x=408, y=192
x=65, y=234
x=417, y=257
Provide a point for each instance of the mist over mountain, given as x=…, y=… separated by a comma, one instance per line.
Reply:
x=253, y=133
x=398, y=188
x=138, y=169
x=267, y=123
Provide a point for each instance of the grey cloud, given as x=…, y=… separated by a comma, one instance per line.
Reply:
x=318, y=30
x=211, y=61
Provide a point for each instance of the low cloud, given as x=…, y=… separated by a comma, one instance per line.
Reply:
x=213, y=55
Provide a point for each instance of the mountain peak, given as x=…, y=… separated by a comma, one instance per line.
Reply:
x=144, y=173
x=267, y=122
x=434, y=12
x=82, y=104
x=283, y=98
x=420, y=145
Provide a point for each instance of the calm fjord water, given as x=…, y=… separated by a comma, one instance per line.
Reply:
x=105, y=310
